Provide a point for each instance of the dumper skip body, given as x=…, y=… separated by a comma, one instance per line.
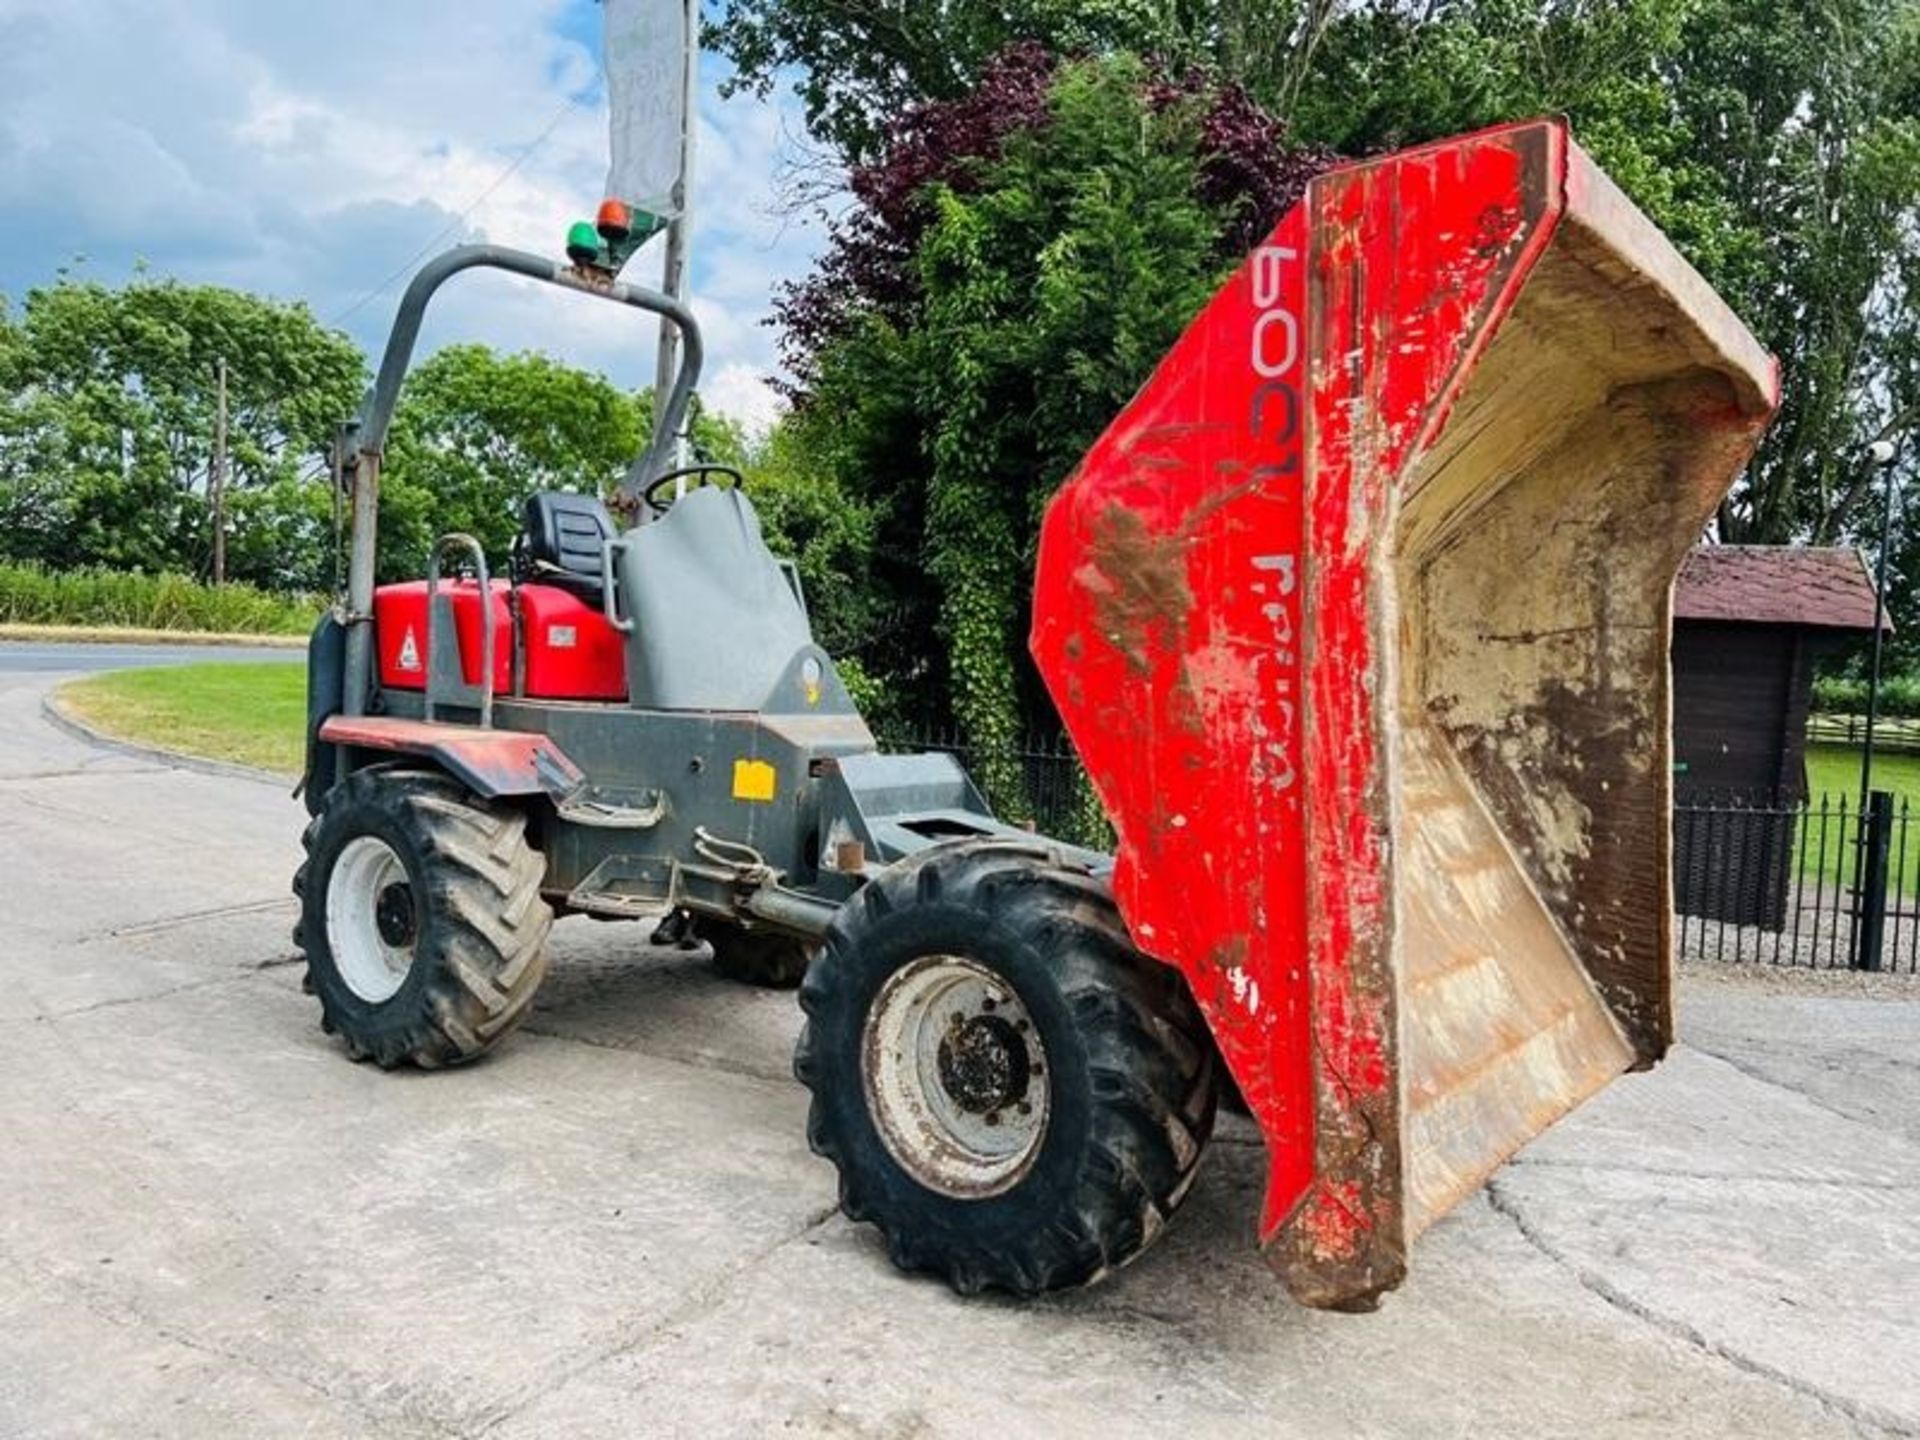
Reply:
x=1359, y=617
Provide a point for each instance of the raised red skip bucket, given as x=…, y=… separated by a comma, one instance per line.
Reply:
x=1358, y=615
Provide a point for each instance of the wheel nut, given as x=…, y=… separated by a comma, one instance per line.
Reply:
x=993, y=1117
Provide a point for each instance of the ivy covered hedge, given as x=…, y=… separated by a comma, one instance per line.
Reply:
x=1017, y=262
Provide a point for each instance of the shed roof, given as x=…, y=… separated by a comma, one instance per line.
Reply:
x=1826, y=586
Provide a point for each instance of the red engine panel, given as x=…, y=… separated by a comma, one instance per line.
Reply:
x=572, y=652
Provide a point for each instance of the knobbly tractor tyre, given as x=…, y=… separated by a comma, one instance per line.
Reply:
x=764, y=958
x=1013, y=1094
x=420, y=919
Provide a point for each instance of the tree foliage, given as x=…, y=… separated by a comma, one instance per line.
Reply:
x=1021, y=260
x=1777, y=142
x=476, y=432
x=107, y=402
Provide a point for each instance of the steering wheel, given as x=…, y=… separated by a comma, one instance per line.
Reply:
x=695, y=474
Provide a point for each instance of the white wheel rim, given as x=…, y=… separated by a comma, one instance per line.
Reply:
x=955, y=1076
x=372, y=952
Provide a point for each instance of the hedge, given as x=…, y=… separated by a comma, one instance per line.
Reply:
x=30, y=595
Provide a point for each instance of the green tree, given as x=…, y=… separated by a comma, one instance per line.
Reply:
x=1777, y=142
x=858, y=64
x=476, y=432
x=1046, y=280
x=1809, y=114
x=107, y=401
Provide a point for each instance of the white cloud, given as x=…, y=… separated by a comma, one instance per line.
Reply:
x=313, y=151
x=742, y=391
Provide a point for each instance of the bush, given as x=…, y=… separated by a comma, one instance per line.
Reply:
x=1842, y=695
x=30, y=595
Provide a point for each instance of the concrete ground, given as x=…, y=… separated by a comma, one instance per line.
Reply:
x=212, y=1224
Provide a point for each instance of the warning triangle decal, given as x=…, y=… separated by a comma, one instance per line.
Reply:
x=409, y=652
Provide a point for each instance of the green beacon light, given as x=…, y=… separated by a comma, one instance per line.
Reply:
x=583, y=243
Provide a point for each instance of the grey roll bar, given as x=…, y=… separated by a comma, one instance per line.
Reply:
x=376, y=414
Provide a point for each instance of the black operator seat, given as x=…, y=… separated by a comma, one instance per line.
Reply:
x=565, y=535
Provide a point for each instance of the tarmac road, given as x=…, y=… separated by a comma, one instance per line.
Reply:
x=17, y=657
x=211, y=1223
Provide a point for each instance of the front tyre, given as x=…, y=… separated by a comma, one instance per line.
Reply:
x=1012, y=1093
x=420, y=919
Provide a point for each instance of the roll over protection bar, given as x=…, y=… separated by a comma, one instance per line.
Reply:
x=369, y=436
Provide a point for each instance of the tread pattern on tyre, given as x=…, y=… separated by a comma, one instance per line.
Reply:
x=487, y=953
x=1149, y=1060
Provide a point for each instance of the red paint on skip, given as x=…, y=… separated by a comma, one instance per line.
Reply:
x=1206, y=620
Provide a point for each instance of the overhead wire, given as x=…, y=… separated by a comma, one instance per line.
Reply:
x=406, y=267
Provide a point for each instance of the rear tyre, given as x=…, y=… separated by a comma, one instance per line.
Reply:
x=1015, y=1095
x=764, y=958
x=421, y=919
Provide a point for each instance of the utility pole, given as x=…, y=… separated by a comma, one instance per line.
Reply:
x=673, y=279
x=217, y=481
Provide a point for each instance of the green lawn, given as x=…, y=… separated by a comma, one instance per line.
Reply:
x=1835, y=769
x=1833, y=775
x=252, y=714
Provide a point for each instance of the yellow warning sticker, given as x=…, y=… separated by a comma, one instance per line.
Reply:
x=752, y=780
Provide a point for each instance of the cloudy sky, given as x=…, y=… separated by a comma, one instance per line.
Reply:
x=318, y=151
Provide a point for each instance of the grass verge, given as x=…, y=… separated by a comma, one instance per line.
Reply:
x=247, y=714
x=127, y=635
x=1835, y=770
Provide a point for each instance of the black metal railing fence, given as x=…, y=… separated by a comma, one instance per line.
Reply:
x=1808, y=883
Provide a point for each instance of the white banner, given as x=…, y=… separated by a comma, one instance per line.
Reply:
x=646, y=56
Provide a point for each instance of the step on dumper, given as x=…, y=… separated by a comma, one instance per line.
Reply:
x=1359, y=617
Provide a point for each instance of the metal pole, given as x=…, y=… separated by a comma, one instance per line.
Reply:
x=376, y=415
x=1867, y=928
x=360, y=562
x=217, y=482
x=1880, y=455
x=673, y=275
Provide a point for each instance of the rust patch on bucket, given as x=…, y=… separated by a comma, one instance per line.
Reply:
x=1138, y=581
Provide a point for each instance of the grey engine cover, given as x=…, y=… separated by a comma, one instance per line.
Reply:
x=716, y=625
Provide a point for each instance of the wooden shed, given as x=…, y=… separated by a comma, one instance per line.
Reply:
x=1748, y=623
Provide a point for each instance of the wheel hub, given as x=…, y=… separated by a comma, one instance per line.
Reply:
x=393, y=914
x=955, y=1076
x=983, y=1064
x=372, y=920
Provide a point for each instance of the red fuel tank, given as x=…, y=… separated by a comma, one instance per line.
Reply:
x=572, y=652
